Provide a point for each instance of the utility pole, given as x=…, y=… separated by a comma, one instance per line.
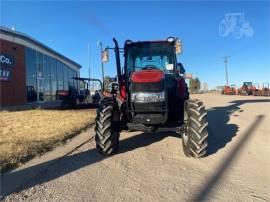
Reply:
x=102, y=65
x=226, y=69
x=89, y=71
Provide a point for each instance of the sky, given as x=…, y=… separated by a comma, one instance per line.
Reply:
x=209, y=30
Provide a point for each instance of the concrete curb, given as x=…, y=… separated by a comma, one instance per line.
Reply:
x=11, y=181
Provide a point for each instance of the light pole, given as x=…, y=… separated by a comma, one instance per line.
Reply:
x=102, y=65
x=226, y=69
x=89, y=71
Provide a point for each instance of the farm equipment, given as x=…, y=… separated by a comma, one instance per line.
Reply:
x=74, y=97
x=256, y=91
x=265, y=89
x=150, y=95
x=246, y=89
x=230, y=90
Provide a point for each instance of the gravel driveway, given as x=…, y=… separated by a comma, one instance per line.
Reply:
x=152, y=167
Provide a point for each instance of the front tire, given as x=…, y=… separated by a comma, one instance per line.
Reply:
x=107, y=124
x=195, y=134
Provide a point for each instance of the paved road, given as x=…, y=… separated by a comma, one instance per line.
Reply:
x=152, y=167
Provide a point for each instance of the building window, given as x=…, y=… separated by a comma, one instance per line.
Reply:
x=76, y=82
x=70, y=78
x=47, y=78
x=60, y=80
x=31, y=74
x=39, y=65
x=65, y=71
x=40, y=77
x=53, y=78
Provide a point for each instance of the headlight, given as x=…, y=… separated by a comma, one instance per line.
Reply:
x=148, y=97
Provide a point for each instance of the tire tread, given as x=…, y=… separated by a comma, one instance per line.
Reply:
x=107, y=137
x=196, y=145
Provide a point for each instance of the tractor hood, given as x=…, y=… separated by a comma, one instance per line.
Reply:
x=147, y=76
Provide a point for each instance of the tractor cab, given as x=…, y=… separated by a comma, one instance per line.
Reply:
x=247, y=84
x=246, y=89
x=82, y=95
x=154, y=85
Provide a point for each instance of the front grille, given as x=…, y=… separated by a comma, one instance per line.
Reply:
x=150, y=119
x=147, y=87
x=149, y=107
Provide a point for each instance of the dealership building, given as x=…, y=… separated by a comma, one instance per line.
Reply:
x=31, y=72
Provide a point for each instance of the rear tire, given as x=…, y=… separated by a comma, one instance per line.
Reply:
x=195, y=135
x=107, y=127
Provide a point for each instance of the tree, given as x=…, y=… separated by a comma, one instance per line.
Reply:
x=194, y=85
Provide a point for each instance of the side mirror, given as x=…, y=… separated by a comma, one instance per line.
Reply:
x=105, y=56
x=178, y=47
x=180, y=68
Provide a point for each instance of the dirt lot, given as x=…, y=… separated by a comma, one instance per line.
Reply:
x=24, y=134
x=152, y=167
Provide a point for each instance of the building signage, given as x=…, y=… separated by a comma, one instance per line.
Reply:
x=6, y=60
x=5, y=74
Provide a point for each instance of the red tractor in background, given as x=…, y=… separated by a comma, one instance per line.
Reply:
x=246, y=89
x=230, y=90
x=151, y=96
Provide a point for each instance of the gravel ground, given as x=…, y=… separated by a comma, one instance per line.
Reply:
x=152, y=167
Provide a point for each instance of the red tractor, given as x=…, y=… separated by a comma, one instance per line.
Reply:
x=230, y=90
x=246, y=89
x=151, y=96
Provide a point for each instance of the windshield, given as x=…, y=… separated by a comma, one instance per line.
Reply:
x=150, y=56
